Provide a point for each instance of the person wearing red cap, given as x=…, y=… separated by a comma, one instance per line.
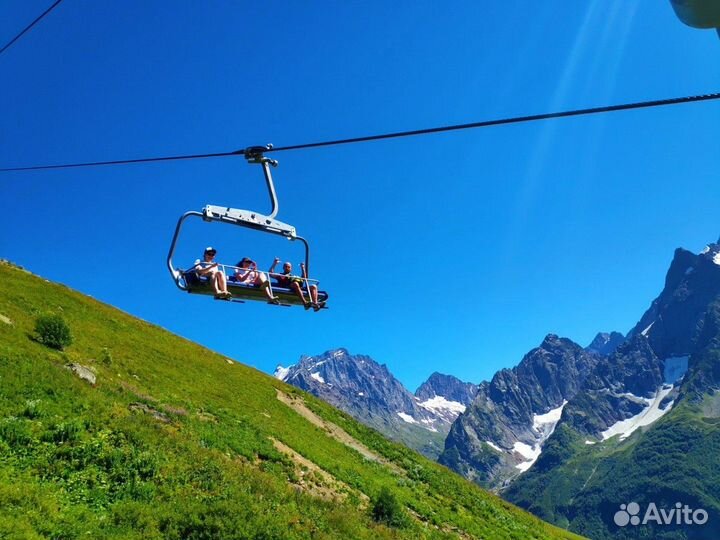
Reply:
x=207, y=267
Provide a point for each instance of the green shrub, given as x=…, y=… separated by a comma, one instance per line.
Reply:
x=15, y=432
x=63, y=432
x=53, y=331
x=33, y=409
x=106, y=356
x=387, y=509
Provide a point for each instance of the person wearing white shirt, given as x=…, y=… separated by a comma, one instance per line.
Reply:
x=207, y=267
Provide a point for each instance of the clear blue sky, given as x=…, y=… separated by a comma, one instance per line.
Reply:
x=454, y=252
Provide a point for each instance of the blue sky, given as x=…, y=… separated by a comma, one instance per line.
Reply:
x=455, y=252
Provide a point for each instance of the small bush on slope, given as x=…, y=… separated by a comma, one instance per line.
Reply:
x=53, y=331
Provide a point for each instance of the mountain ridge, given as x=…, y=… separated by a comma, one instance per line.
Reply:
x=368, y=391
x=645, y=426
x=501, y=433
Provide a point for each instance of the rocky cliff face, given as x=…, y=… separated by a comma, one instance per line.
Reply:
x=447, y=396
x=673, y=323
x=447, y=386
x=356, y=382
x=644, y=426
x=613, y=387
x=502, y=432
x=606, y=343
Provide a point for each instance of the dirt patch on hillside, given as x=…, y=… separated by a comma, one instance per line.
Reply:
x=336, y=432
x=315, y=480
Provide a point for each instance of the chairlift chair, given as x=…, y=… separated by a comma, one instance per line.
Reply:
x=190, y=281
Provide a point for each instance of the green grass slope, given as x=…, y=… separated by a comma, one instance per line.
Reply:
x=174, y=441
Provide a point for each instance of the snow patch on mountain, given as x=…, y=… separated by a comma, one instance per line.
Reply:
x=647, y=416
x=282, y=372
x=530, y=453
x=409, y=419
x=318, y=377
x=494, y=446
x=543, y=423
x=440, y=403
x=675, y=368
x=645, y=332
x=429, y=424
x=714, y=251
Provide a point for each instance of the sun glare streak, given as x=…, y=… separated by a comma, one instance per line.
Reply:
x=530, y=182
x=601, y=82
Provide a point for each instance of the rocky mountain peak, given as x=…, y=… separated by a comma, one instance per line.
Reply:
x=368, y=391
x=504, y=429
x=614, y=387
x=673, y=322
x=447, y=387
x=712, y=253
x=605, y=343
x=550, y=373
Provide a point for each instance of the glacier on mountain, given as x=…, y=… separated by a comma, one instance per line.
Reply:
x=647, y=416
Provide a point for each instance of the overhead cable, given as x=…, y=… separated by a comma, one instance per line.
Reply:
x=504, y=121
x=426, y=131
x=29, y=26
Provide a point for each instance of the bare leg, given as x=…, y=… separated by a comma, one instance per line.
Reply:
x=265, y=285
x=221, y=286
x=215, y=283
x=317, y=306
x=296, y=287
x=221, y=283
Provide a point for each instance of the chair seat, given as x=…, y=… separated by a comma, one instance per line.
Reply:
x=201, y=285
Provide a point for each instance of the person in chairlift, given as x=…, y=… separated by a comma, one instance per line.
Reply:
x=207, y=267
x=247, y=274
x=294, y=283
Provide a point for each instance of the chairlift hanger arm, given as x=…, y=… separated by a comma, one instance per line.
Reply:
x=254, y=154
x=248, y=218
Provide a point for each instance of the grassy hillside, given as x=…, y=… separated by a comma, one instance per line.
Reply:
x=174, y=441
